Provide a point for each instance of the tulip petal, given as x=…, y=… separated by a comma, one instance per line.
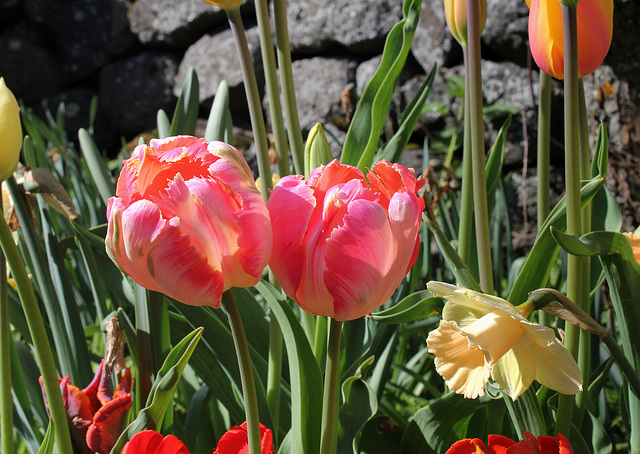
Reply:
x=465, y=369
x=152, y=442
x=499, y=444
x=108, y=423
x=467, y=446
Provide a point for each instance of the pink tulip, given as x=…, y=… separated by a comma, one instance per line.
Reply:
x=595, y=29
x=188, y=220
x=341, y=244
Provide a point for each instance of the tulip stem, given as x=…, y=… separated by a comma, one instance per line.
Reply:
x=544, y=136
x=288, y=90
x=40, y=340
x=329, y=438
x=246, y=371
x=573, y=202
x=6, y=406
x=477, y=146
x=271, y=79
x=253, y=100
x=274, y=377
x=466, y=202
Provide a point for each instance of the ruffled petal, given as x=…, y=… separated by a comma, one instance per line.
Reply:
x=465, y=369
x=108, y=423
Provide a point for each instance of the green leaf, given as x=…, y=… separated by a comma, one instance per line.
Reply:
x=445, y=420
x=162, y=390
x=219, y=114
x=537, y=267
x=417, y=306
x=97, y=165
x=366, y=126
x=164, y=125
x=49, y=440
x=305, y=376
x=185, y=114
x=392, y=150
x=493, y=167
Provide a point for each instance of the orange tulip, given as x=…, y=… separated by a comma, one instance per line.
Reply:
x=595, y=29
x=499, y=444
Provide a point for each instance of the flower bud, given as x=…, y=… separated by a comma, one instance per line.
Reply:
x=225, y=4
x=455, y=11
x=595, y=30
x=316, y=151
x=10, y=131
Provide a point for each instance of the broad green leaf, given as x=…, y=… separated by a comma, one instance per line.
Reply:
x=366, y=126
x=380, y=436
x=526, y=414
x=392, y=150
x=162, y=390
x=49, y=440
x=445, y=420
x=493, y=167
x=417, y=306
x=537, y=267
x=185, y=114
x=305, y=376
x=97, y=165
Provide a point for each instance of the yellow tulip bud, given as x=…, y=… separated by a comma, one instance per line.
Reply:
x=225, y=4
x=455, y=11
x=10, y=132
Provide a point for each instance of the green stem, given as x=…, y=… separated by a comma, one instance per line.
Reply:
x=544, y=141
x=271, y=79
x=477, y=145
x=143, y=341
x=40, y=340
x=466, y=202
x=6, y=406
x=330, y=398
x=274, y=377
x=320, y=346
x=624, y=365
x=288, y=89
x=253, y=99
x=246, y=371
x=572, y=183
x=526, y=414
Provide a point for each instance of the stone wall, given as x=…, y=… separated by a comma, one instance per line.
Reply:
x=134, y=56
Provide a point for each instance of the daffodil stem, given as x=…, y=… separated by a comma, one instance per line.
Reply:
x=526, y=413
x=246, y=371
x=6, y=406
x=329, y=439
x=572, y=184
x=253, y=100
x=40, y=340
x=477, y=145
x=544, y=141
x=271, y=79
x=288, y=90
x=466, y=202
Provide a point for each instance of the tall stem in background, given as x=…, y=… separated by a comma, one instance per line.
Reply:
x=6, y=406
x=253, y=99
x=288, y=90
x=271, y=78
x=543, y=161
x=572, y=184
x=466, y=202
x=40, y=340
x=246, y=371
x=477, y=146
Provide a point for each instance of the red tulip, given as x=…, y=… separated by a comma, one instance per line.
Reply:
x=343, y=244
x=499, y=444
x=235, y=441
x=96, y=414
x=188, y=220
x=595, y=29
x=151, y=442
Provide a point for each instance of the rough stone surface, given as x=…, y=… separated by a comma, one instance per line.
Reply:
x=432, y=43
x=132, y=91
x=506, y=30
x=318, y=26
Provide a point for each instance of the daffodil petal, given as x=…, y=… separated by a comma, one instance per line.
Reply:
x=515, y=371
x=495, y=333
x=465, y=369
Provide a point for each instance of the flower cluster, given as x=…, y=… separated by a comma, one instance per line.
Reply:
x=498, y=444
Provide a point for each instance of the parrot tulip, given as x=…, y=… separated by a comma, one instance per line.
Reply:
x=499, y=444
x=235, y=441
x=152, y=442
x=188, y=220
x=343, y=244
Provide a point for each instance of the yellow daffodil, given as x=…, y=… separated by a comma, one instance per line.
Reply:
x=10, y=131
x=634, y=239
x=484, y=336
x=225, y=4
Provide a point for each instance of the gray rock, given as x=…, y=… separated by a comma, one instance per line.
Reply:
x=175, y=23
x=506, y=30
x=365, y=72
x=214, y=58
x=132, y=91
x=432, y=43
x=316, y=26
x=122, y=38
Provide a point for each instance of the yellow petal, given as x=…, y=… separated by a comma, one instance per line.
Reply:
x=465, y=369
x=515, y=371
x=634, y=240
x=495, y=333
